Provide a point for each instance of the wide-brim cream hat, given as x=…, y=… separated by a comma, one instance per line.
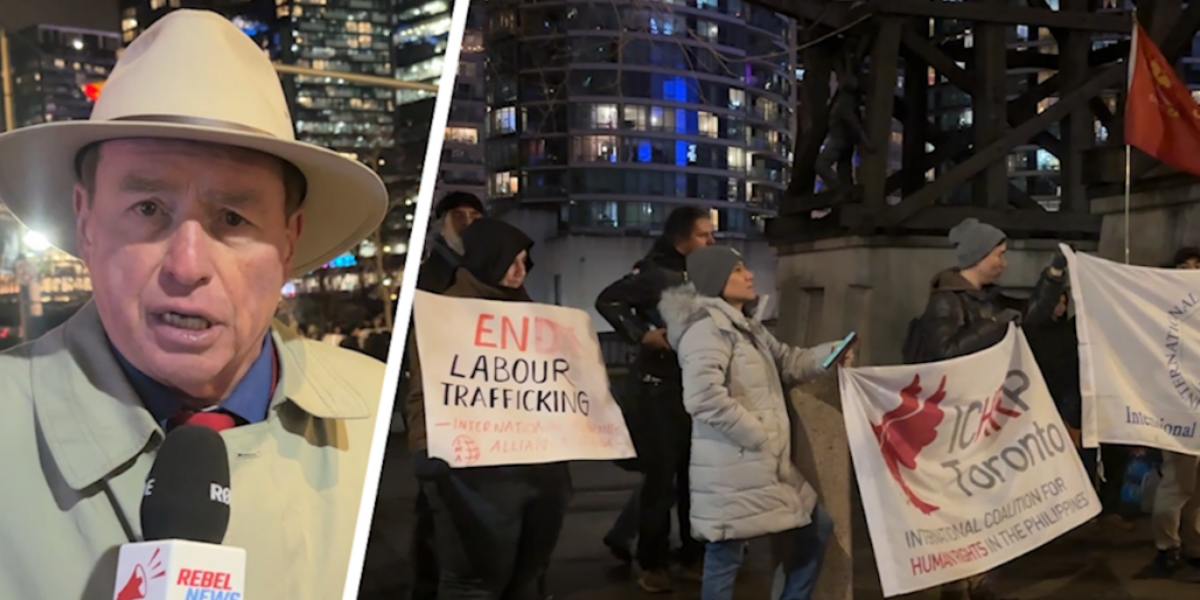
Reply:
x=193, y=76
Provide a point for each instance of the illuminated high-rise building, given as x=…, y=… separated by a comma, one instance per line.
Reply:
x=355, y=119
x=353, y=36
x=422, y=34
x=613, y=115
x=57, y=72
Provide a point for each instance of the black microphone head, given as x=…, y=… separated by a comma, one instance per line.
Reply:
x=187, y=492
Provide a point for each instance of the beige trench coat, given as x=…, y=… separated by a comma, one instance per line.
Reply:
x=76, y=445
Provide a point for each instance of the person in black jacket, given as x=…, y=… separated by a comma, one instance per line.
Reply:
x=443, y=251
x=964, y=315
x=443, y=256
x=495, y=526
x=662, y=433
x=1055, y=345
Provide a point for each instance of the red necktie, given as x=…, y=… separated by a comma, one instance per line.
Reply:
x=217, y=419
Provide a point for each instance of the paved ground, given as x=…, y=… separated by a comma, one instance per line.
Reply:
x=1092, y=563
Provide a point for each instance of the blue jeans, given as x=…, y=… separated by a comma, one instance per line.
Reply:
x=723, y=559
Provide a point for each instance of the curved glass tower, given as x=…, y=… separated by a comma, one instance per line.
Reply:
x=613, y=113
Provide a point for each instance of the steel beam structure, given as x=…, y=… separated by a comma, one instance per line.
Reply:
x=1047, y=93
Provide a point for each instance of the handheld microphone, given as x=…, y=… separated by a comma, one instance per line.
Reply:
x=184, y=515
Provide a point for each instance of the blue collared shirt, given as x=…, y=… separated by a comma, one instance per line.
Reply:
x=249, y=402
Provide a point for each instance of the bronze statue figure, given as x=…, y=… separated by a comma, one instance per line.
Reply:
x=846, y=133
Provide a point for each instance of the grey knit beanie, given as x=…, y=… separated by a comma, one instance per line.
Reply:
x=973, y=241
x=709, y=268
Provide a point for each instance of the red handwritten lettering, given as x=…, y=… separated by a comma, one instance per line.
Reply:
x=509, y=446
x=474, y=426
x=549, y=336
x=480, y=330
x=521, y=341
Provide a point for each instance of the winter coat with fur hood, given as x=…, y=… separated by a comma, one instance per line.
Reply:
x=743, y=481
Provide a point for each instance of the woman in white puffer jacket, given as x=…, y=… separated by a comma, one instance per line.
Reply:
x=743, y=482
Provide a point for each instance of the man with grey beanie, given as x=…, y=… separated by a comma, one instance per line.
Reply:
x=965, y=312
x=743, y=484
x=964, y=315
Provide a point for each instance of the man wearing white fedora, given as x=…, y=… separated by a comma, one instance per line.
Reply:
x=191, y=204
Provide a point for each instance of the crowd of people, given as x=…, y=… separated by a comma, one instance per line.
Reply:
x=967, y=313
x=189, y=211
x=711, y=429
x=371, y=337
x=710, y=421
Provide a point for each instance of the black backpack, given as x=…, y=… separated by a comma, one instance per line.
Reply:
x=915, y=351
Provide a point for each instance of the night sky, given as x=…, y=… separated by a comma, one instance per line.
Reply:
x=92, y=14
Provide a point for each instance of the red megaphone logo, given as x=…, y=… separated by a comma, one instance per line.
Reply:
x=135, y=588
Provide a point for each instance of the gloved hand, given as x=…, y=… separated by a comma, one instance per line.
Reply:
x=428, y=469
x=1009, y=315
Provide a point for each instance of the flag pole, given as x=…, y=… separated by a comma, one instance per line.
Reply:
x=1128, y=149
x=1128, y=186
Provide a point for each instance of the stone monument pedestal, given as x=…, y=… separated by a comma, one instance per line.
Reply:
x=1161, y=221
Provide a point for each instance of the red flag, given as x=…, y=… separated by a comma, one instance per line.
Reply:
x=1161, y=118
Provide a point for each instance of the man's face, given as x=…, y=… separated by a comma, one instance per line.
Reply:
x=701, y=236
x=1191, y=263
x=188, y=246
x=993, y=265
x=459, y=218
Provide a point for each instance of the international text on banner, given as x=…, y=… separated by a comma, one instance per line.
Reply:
x=1139, y=353
x=510, y=383
x=963, y=464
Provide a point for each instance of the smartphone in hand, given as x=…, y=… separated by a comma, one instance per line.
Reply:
x=842, y=348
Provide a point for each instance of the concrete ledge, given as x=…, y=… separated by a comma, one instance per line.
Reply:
x=1160, y=222
x=911, y=242
x=1147, y=200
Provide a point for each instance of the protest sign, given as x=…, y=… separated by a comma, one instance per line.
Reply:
x=510, y=383
x=1139, y=353
x=963, y=464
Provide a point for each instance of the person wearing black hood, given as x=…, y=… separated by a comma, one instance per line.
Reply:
x=495, y=527
x=453, y=215
x=443, y=253
x=662, y=431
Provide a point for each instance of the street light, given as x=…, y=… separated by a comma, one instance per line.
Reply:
x=36, y=242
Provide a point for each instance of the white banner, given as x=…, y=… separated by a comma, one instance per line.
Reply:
x=510, y=383
x=1139, y=353
x=963, y=465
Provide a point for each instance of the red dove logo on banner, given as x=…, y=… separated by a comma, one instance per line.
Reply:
x=906, y=430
